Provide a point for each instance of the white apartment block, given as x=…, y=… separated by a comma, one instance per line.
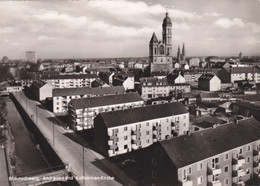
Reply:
x=82, y=112
x=122, y=131
x=223, y=156
x=62, y=96
x=70, y=81
x=155, y=87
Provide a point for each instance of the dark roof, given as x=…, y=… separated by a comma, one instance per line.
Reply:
x=70, y=76
x=154, y=81
x=86, y=91
x=167, y=20
x=105, y=100
x=154, y=39
x=238, y=70
x=209, y=95
x=38, y=83
x=206, y=77
x=122, y=117
x=185, y=150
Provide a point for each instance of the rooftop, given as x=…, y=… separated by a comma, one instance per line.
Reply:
x=70, y=76
x=128, y=116
x=216, y=141
x=105, y=100
x=86, y=90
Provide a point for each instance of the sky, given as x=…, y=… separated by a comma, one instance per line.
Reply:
x=123, y=28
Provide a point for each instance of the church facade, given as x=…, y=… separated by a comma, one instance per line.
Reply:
x=160, y=52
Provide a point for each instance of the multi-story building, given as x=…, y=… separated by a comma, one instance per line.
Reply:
x=70, y=81
x=226, y=155
x=236, y=74
x=160, y=52
x=62, y=96
x=83, y=111
x=157, y=87
x=209, y=97
x=209, y=82
x=41, y=90
x=31, y=56
x=194, y=62
x=122, y=131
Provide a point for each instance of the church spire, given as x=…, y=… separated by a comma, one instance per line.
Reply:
x=183, y=52
x=178, y=54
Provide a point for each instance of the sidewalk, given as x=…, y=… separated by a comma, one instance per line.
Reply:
x=3, y=169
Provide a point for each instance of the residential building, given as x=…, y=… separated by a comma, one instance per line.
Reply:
x=160, y=52
x=126, y=80
x=209, y=82
x=246, y=109
x=62, y=96
x=14, y=88
x=69, y=81
x=236, y=73
x=41, y=90
x=161, y=87
x=31, y=56
x=225, y=155
x=122, y=131
x=194, y=62
x=209, y=97
x=83, y=111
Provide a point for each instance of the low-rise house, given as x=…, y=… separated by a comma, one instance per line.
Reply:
x=225, y=155
x=83, y=111
x=122, y=131
x=246, y=109
x=209, y=82
x=41, y=90
x=209, y=97
x=61, y=97
x=14, y=88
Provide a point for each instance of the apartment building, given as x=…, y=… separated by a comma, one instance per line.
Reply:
x=209, y=82
x=83, y=111
x=62, y=96
x=122, y=131
x=238, y=73
x=41, y=90
x=226, y=155
x=70, y=80
x=157, y=87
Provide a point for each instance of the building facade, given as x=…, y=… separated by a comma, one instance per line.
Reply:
x=41, y=90
x=156, y=87
x=70, y=81
x=31, y=56
x=82, y=112
x=160, y=52
x=62, y=96
x=226, y=155
x=209, y=82
x=122, y=131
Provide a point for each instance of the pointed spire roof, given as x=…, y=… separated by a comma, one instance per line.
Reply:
x=183, y=49
x=154, y=39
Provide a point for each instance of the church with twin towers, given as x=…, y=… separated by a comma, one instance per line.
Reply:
x=160, y=52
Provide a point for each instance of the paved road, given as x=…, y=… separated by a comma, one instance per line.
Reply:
x=70, y=151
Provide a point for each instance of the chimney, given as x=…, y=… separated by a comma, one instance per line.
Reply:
x=188, y=133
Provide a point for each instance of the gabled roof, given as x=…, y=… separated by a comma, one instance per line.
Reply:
x=88, y=91
x=105, y=100
x=154, y=39
x=238, y=70
x=206, y=77
x=154, y=81
x=128, y=116
x=185, y=150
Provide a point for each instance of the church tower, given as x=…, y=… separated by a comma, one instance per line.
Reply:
x=183, y=55
x=160, y=52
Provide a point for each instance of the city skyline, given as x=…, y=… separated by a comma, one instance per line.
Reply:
x=121, y=28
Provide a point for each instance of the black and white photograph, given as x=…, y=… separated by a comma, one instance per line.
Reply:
x=130, y=93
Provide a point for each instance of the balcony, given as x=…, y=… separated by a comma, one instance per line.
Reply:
x=238, y=173
x=110, y=142
x=137, y=132
x=187, y=182
x=134, y=137
x=157, y=128
x=214, y=183
x=173, y=127
x=214, y=171
x=112, y=147
x=156, y=136
x=256, y=152
x=111, y=153
x=137, y=142
x=135, y=146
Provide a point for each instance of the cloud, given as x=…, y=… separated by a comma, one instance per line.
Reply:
x=180, y=14
x=7, y=30
x=214, y=14
x=55, y=16
x=15, y=43
x=227, y=23
x=181, y=26
x=45, y=38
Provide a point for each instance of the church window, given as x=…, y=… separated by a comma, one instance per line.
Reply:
x=161, y=49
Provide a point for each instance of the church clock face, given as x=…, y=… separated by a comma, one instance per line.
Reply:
x=161, y=49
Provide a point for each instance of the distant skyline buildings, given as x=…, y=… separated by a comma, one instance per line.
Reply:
x=31, y=56
x=122, y=28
